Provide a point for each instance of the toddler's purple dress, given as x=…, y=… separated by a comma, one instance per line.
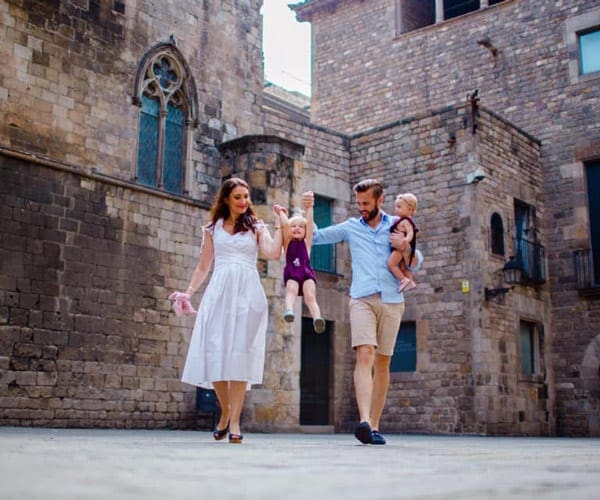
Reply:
x=297, y=264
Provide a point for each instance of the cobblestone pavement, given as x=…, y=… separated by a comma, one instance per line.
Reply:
x=123, y=464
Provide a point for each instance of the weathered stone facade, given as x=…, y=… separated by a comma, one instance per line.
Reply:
x=87, y=337
x=88, y=256
x=463, y=379
x=71, y=69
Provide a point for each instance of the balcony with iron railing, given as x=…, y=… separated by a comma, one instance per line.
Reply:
x=587, y=270
x=530, y=258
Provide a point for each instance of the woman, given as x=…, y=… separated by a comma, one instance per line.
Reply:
x=227, y=348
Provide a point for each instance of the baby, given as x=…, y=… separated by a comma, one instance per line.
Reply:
x=406, y=205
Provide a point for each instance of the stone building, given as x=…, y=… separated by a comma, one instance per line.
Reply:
x=121, y=119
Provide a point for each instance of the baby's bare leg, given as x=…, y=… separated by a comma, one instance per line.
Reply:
x=309, y=290
x=394, y=264
x=291, y=292
x=405, y=262
x=405, y=271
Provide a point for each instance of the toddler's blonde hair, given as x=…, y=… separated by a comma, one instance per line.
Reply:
x=297, y=217
x=410, y=199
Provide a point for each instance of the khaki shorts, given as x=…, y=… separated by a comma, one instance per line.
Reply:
x=375, y=323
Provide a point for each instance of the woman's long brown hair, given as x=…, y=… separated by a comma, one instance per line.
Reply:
x=220, y=209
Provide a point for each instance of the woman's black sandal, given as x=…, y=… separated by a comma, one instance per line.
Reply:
x=220, y=434
x=235, y=438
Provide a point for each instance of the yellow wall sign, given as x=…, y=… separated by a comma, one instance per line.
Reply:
x=465, y=286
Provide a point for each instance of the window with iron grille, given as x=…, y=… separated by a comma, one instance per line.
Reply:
x=322, y=257
x=528, y=252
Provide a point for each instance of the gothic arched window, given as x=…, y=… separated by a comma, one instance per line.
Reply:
x=497, y=233
x=166, y=95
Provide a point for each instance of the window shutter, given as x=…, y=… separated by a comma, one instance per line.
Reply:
x=322, y=257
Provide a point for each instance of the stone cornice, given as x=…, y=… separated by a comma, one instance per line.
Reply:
x=257, y=143
x=94, y=174
x=305, y=11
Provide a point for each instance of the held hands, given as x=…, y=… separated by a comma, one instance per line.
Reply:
x=278, y=210
x=181, y=304
x=281, y=216
x=308, y=200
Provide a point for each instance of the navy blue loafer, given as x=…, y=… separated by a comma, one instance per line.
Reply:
x=363, y=433
x=377, y=438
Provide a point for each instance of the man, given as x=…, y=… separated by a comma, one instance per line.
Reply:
x=376, y=306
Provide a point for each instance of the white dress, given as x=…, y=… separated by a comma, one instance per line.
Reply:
x=228, y=340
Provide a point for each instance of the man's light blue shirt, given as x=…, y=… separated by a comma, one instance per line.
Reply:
x=370, y=250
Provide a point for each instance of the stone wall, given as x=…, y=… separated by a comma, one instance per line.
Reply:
x=87, y=338
x=514, y=403
x=89, y=256
x=368, y=76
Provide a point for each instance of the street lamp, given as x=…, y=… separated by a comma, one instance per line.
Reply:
x=513, y=273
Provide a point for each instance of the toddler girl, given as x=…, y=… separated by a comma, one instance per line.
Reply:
x=298, y=275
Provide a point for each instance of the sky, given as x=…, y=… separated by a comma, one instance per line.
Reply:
x=286, y=46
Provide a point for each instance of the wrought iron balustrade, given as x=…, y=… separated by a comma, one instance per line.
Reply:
x=530, y=256
x=586, y=273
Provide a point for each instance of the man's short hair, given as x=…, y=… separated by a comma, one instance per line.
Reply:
x=373, y=184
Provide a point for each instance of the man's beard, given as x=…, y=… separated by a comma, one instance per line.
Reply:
x=371, y=215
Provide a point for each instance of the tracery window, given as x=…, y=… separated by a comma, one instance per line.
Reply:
x=166, y=95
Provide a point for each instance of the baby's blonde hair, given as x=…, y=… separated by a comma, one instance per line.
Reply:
x=410, y=199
